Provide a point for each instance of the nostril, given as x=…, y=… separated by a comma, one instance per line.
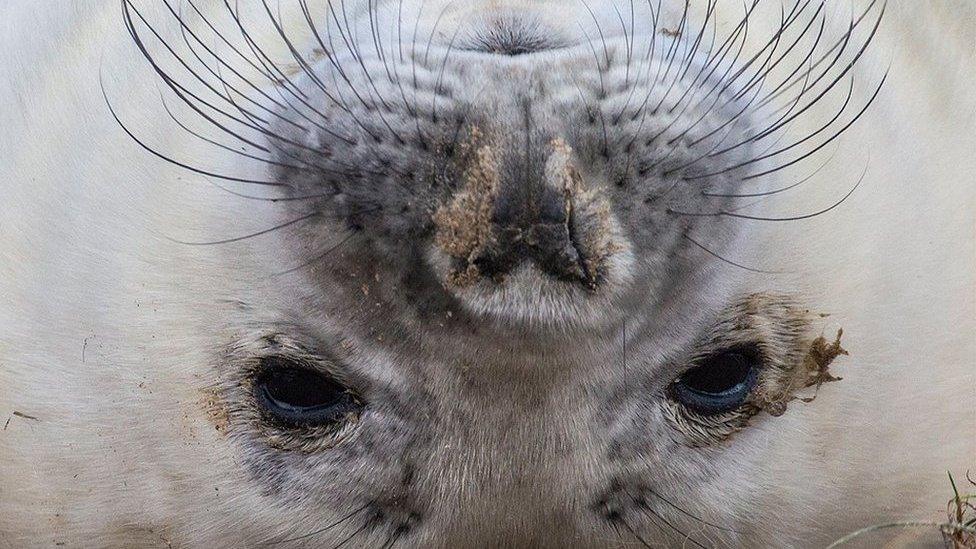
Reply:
x=552, y=207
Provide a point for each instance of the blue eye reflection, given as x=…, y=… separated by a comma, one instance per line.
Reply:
x=721, y=383
x=295, y=395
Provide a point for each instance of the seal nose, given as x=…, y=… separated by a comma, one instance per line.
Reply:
x=541, y=232
x=554, y=221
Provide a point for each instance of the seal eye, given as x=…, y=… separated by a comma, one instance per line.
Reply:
x=721, y=383
x=299, y=396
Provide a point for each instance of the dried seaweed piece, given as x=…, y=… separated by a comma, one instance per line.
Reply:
x=818, y=361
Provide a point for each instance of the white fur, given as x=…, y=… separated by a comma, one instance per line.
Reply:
x=108, y=328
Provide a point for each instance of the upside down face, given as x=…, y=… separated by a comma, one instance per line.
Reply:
x=508, y=284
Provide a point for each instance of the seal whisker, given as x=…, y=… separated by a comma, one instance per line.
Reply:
x=193, y=100
x=186, y=32
x=181, y=91
x=369, y=78
x=322, y=255
x=175, y=162
x=377, y=39
x=299, y=198
x=634, y=533
x=788, y=109
x=227, y=148
x=841, y=43
x=644, y=111
x=639, y=78
x=323, y=529
x=825, y=142
x=282, y=82
x=790, y=218
x=775, y=127
x=328, y=52
x=354, y=534
x=599, y=28
x=260, y=70
x=693, y=49
x=759, y=74
x=307, y=69
x=732, y=123
x=278, y=76
x=818, y=14
x=776, y=191
x=671, y=55
x=700, y=246
x=771, y=45
x=440, y=74
x=278, y=227
x=627, y=39
x=672, y=52
x=686, y=536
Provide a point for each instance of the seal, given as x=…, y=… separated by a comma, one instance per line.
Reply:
x=422, y=273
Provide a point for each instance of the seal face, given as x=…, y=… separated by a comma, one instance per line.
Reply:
x=503, y=220
x=471, y=274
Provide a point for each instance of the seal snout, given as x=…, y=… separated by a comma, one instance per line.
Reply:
x=555, y=222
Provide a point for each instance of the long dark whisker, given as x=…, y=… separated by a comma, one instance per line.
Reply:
x=603, y=92
x=730, y=262
x=277, y=76
x=829, y=87
x=307, y=69
x=185, y=95
x=823, y=144
x=791, y=218
x=841, y=43
x=775, y=191
x=673, y=49
x=187, y=33
x=440, y=73
x=638, y=77
x=272, y=199
x=248, y=236
x=322, y=255
x=328, y=51
x=670, y=57
x=227, y=148
x=323, y=529
x=233, y=48
x=352, y=535
x=173, y=161
x=724, y=49
x=372, y=83
x=599, y=28
x=686, y=513
x=669, y=524
x=634, y=533
x=182, y=92
x=767, y=66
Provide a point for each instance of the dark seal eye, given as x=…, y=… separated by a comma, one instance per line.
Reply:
x=721, y=383
x=299, y=396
